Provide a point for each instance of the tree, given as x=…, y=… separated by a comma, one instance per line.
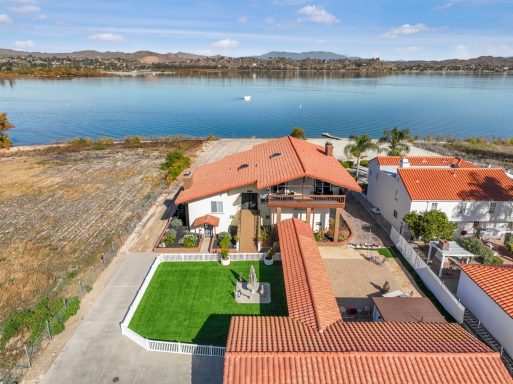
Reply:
x=357, y=147
x=430, y=225
x=176, y=162
x=298, y=133
x=5, y=125
x=396, y=139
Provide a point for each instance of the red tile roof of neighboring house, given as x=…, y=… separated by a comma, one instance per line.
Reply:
x=296, y=159
x=482, y=184
x=206, y=219
x=496, y=281
x=308, y=301
x=296, y=350
x=426, y=161
x=364, y=368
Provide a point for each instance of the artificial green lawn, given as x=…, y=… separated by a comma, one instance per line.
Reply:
x=194, y=301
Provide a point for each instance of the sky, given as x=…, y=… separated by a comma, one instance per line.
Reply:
x=390, y=30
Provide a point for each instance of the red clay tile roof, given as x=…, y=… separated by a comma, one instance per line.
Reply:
x=425, y=161
x=364, y=368
x=292, y=350
x=310, y=298
x=298, y=159
x=482, y=184
x=206, y=219
x=496, y=281
x=285, y=334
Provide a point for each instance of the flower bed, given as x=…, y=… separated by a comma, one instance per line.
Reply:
x=177, y=238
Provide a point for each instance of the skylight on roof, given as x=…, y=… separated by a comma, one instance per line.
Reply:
x=242, y=166
x=275, y=154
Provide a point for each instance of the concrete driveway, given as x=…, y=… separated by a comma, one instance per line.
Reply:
x=98, y=353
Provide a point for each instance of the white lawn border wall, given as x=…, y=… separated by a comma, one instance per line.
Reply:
x=430, y=279
x=170, y=346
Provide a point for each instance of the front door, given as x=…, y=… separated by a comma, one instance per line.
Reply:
x=249, y=201
x=208, y=230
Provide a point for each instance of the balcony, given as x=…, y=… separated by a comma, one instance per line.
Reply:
x=306, y=201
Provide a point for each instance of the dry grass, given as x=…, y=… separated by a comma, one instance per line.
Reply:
x=61, y=210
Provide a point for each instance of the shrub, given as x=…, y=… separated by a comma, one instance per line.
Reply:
x=270, y=254
x=508, y=242
x=133, y=141
x=5, y=125
x=475, y=246
x=189, y=241
x=347, y=164
x=102, y=143
x=298, y=133
x=170, y=237
x=319, y=236
x=79, y=141
x=176, y=162
x=364, y=163
x=224, y=240
x=176, y=223
x=5, y=142
x=225, y=254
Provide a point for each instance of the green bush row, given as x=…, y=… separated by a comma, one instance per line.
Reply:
x=35, y=320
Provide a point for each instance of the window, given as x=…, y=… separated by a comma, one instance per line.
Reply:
x=395, y=213
x=279, y=189
x=267, y=217
x=322, y=188
x=434, y=206
x=463, y=208
x=492, y=207
x=216, y=207
x=396, y=195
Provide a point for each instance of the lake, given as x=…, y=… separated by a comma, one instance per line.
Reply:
x=45, y=111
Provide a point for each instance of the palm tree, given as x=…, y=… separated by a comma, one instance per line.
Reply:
x=396, y=139
x=357, y=147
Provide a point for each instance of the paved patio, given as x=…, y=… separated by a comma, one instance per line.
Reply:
x=356, y=280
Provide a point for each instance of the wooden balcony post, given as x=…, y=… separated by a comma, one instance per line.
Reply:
x=278, y=215
x=312, y=224
x=308, y=212
x=337, y=225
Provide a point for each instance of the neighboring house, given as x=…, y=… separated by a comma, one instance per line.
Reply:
x=470, y=196
x=487, y=292
x=273, y=181
x=313, y=344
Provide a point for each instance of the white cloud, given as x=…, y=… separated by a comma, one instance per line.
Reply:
x=24, y=44
x=503, y=50
x=462, y=52
x=242, y=19
x=226, y=44
x=106, y=37
x=4, y=19
x=406, y=29
x=318, y=14
x=27, y=7
x=40, y=17
x=270, y=20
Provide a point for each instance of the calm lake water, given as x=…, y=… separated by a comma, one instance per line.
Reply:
x=460, y=105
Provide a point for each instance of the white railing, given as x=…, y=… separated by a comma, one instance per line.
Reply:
x=430, y=279
x=170, y=346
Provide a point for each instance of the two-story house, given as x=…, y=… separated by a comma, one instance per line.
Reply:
x=470, y=196
x=273, y=181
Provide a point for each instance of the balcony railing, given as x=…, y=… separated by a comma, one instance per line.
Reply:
x=301, y=201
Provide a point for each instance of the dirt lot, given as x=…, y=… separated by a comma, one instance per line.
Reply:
x=61, y=211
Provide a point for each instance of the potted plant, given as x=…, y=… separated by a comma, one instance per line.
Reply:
x=268, y=259
x=225, y=256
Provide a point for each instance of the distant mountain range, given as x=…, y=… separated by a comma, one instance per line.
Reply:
x=139, y=55
x=148, y=57
x=316, y=55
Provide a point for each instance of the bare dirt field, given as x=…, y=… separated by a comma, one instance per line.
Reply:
x=61, y=211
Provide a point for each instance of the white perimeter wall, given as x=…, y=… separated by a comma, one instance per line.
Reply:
x=491, y=315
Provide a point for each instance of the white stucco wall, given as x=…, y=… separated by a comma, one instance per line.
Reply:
x=491, y=315
x=321, y=217
x=381, y=192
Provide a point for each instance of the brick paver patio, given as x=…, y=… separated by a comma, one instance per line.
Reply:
x=356, y=280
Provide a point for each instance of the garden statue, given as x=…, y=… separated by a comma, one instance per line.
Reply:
x=386, y=287
x=252, y=281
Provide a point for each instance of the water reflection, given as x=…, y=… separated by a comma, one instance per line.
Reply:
x=7, y=82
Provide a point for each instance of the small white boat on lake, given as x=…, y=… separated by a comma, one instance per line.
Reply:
x=247, y=98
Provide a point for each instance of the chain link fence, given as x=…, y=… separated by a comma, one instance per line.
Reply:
x=76, y=290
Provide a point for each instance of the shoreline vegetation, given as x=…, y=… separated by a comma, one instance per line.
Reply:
x=70, y=73
x=496, y=151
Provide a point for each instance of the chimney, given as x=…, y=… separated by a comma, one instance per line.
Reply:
x=187, y=179
x=443, y=245
x=405, y=163
x=328, y=149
